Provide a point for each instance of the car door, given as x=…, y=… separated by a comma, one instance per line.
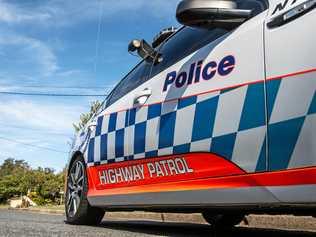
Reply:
x=109, y=142
x=207, y=96
x=291, y=85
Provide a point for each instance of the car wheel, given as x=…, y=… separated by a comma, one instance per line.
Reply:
x=226, y=221
x=77, y=207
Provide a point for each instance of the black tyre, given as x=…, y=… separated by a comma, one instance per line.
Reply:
x=226, y=221
x=78, y=209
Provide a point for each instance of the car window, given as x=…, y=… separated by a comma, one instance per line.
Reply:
x=134, y=79
x=183, y=43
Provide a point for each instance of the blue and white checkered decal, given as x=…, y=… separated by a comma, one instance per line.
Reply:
x=230, y=123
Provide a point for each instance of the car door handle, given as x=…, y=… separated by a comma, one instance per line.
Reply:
x=141, y=98
x=92, y=125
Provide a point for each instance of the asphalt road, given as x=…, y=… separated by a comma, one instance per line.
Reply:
x=18, y=223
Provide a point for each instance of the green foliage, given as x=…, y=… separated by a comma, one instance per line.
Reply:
x=39, y=201
x=17, y=178
x=85, y=118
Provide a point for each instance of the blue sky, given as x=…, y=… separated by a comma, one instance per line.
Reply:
x=48, y=44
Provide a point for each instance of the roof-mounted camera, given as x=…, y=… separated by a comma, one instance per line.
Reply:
x=144, y=50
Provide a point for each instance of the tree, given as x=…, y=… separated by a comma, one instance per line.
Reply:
x=11, y=165
x=13, y=178
x=17, y=178
x=85, y=117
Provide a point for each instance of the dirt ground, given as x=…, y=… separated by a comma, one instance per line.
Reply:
x=260, y=221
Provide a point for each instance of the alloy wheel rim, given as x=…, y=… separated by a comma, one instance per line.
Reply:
x=75, y=188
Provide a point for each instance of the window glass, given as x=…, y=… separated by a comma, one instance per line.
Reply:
x=134, y=79
x=183, y=43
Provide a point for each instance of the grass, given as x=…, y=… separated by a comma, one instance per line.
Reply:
x=4, y=206
x=50, y=207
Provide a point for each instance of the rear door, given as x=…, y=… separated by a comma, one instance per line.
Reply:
x=159, y=131
x=291, y=85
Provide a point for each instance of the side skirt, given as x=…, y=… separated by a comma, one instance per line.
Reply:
x=209, y=197
x=259, y=199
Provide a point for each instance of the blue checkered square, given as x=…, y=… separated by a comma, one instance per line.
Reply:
x=154, y=111
x=112, y=122
x=132, y=116
x=253, y=113
x=104, y=146
x=151, y=154
x=204, y=119
x=99, y=126
x=91, y=151
x=166, y=130
x=224, y=145
x=140, y=138
x=181, y=149
x=184, y=102
x=312, y=107
x=119, y=143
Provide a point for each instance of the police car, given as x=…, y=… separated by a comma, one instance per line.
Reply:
x=218, y=118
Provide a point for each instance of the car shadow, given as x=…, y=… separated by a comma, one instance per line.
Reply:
x=189, y=229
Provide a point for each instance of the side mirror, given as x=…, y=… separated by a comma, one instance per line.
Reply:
x=144, y=50
x=211, y=14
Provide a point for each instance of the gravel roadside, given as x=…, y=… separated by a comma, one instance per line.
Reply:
x=258, y=221
x=24, y=224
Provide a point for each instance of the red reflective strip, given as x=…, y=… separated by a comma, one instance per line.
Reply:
x=303, y=176
x=292, y=74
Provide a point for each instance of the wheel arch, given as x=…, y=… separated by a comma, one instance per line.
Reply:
x=74, y=156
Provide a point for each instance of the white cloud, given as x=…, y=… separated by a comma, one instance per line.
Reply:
x=65, y=13
x=28, y=51
x=36, y=57
x=36, y=157
x=45, y=118
x=13, y=149
x=50, y=116
x=69, y=73
x=27, y=56
x=10, y=13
